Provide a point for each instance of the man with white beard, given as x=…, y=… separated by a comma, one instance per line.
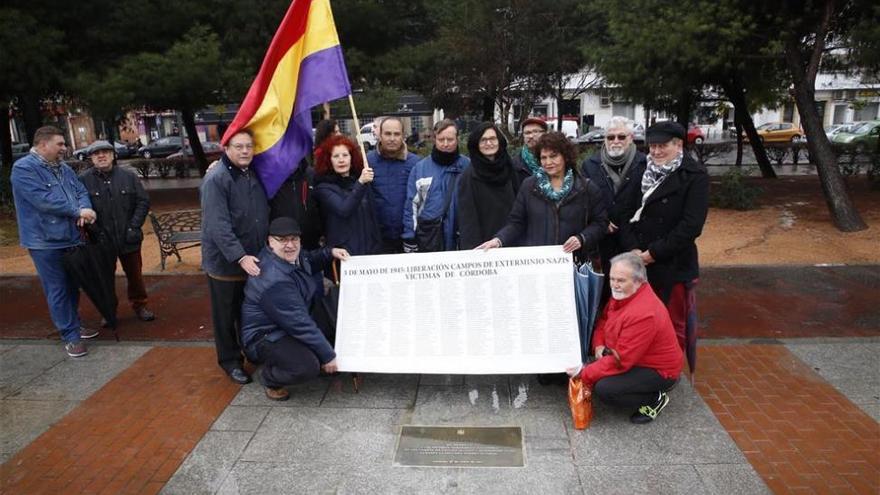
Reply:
x=638, y=358
x=617, y=169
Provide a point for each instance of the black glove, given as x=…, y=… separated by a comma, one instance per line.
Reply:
x=410, y=247
x=133, y=236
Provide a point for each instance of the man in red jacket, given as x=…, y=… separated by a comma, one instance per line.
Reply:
x=637, y=354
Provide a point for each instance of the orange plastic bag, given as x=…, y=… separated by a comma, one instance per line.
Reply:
x=580, y=400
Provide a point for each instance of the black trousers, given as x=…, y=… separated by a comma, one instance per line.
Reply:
x=286, y=362
x=226, y=299
x=635, y=388
x=392, y=246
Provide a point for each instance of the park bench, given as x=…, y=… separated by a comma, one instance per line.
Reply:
x=177, y=230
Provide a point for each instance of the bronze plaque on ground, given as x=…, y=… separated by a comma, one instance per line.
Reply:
x=459, y=446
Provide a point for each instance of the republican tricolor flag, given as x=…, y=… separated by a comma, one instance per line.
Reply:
x=303, y=68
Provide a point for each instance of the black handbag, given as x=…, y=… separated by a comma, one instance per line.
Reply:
x=429, y=232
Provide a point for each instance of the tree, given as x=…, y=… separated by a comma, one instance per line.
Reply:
x=28, y=70
x=686, y=49
x=807, y=28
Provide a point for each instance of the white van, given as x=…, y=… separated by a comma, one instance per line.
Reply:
x=368, y=136
x=569, y=127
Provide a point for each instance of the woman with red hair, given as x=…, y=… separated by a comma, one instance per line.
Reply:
x=345, y=197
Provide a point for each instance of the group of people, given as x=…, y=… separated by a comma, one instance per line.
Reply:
x=55, y=210
x=266, y=259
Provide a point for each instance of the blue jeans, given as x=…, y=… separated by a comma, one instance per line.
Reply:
x=62, y=293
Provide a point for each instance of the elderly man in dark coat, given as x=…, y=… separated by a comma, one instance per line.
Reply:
x=617, y=169
x=121, y=203
x=669, y=217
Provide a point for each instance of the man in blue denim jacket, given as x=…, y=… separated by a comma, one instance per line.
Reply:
x=50, y=204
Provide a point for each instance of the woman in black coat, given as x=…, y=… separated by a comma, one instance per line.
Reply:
x=345, y=197
x=486, y=189
x=557, y=206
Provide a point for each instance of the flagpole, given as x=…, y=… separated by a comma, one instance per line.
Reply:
x=357, y=126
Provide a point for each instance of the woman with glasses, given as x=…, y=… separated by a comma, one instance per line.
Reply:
x=557, y=206
x=617, y=169
x=345, y=197
x=429, y=211
x=487, y=188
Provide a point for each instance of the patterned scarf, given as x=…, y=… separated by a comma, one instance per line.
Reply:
x=655, y=174
x=547, y=189
x=529, y=159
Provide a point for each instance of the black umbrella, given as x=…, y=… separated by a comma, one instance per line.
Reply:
x=92, y=266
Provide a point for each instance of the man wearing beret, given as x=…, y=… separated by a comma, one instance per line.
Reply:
x=669, y=216
x=277, y=330
x=122, y=205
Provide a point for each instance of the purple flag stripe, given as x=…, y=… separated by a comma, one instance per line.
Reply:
x=322, y=77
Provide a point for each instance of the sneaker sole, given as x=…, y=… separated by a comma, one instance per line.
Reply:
x=89, y=335
x=77, y=355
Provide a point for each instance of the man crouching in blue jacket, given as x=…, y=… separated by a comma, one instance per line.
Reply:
x=276, y=328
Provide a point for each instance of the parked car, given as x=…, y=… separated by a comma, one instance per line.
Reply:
x=596, y=136
x=161, y=147
x=695, y=134
x=368, y=136
x=569, y=126
x=123, y=150
x=862, y=137
x=19, y=150
x=778, y=132
x=831, y=130
x=213, y=151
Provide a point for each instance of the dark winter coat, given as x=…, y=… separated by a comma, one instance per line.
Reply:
x=486, y=191
x=296, y=199
x=620, y=206
x=277, y=303
x=235, y=218
x=670, y=223
x=389, y=189
x=538, y=221
x=121, y=203
x=349, y=214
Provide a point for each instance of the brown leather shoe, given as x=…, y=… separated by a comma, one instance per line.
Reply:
x=279, y=394
x=144, y=314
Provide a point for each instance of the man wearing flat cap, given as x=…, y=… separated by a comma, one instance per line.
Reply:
x=669, y=217
x=122, y=204
x=525, y=163
x=277, y=330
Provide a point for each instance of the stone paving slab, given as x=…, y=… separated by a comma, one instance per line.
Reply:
x=852, y=368
x=347, y=446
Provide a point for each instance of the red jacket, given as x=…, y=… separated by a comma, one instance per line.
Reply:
x=640, y=330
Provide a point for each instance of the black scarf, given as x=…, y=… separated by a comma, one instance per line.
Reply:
x=486, y=191
x=444, y=158
x=499, y=170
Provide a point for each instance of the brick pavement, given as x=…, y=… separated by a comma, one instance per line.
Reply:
x=800, y=434
x=131, y=435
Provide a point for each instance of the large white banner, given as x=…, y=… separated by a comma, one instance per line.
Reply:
x=502, y=311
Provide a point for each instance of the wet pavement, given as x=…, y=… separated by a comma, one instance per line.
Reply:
x=786, y=399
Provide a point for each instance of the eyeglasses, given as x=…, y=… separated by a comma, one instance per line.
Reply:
x=487, y=140
x=287, y=240
x=242, y=147
x=619, y=137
